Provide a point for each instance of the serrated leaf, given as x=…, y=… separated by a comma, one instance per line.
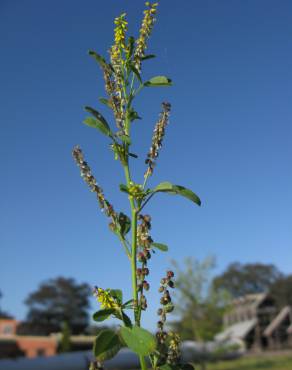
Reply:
x=125, y=223
x=117, y=294
x=162, y=247
x=177, y=189
x=102, y=315
x=99, y=122
x=106, y=345
x=158, y=81
x=105, y=102
x=138, y=340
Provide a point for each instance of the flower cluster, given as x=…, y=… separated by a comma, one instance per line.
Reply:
x=145, y=31
x=91, y=182
x=117, y=63
x=114, y=94
x=168, y=343
x=105, y=298
x=157, y=138
x=144, y=241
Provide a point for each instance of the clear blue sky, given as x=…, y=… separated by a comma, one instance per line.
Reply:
x=229, y=138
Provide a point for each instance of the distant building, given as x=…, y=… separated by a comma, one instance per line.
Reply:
x=257, y=321
x=13, y=345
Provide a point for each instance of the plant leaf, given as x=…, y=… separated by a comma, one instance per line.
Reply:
x=133, y=115
x=117, y=294
x=99, y=122
x=131, y=44
x=105, y=102
x=177, y=189
x=158, y=81
x=133, y=155
x=138, y=340
x=99, y=59
x=126, y=320
x=136, y=72
x=125, y=224
x=149, y=56
x=124, y=188
x=106, y=345
x=102, y=315
x=162, y=247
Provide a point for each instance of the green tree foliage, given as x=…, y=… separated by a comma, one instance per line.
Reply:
x=57, y=301
x=4, y=314
x=199, y=305
x=281, y=290
x=240, y=279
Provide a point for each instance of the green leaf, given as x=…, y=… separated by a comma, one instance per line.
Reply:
x=98, y=122
x=127, y=321
x=106, y=345
x=128, y=304
x=135, y=71
x=125, y=223
x=162, y=247
x=131, y=44
x=124, y=188
x=133, y=155
x=149, y=56
x=117, y=294
x=158, y=81
x=138, y=340
x=102, y=315
x=105, y=102
x=177, y=189
x=133, y=115
x=99, y=59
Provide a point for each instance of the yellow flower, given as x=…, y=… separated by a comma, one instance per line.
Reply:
x=105, y=299
x=145, y=31
x=120, y=31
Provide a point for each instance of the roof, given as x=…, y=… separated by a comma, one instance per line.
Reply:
x=250, y=300
x=238, y=330
x=282, y=315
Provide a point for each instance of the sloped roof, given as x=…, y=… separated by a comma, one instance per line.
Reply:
x=238, y=330
x=250, y=300
x=286, y=311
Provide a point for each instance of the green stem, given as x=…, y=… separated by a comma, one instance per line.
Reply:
x=143, y=363
x=134, y=214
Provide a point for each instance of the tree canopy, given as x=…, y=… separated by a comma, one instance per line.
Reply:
x=199, y=306
x=240, y=279
x=281, y=290
x=55, y=302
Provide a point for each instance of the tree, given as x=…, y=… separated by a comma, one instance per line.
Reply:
x=241, y=279
x=4, y=314
x=55, y=302
x=281, y=290
x=201, y=308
